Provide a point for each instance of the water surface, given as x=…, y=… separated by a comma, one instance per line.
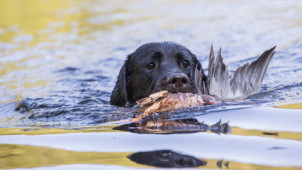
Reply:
x=58, y=65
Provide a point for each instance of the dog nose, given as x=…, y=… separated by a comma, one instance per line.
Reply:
x=178, y=79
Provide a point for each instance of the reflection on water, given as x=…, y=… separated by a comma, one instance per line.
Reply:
x=170, y=159
x=24, y=156
x=166, y=126
x=166, y=159
x=59, y=61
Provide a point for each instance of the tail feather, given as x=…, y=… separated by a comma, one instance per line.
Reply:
x=246, y=80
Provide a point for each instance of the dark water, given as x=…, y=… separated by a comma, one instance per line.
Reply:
x=57, y=75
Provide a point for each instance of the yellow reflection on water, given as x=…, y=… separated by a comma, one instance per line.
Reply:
x=24, y=24
x=25, y=156
x=40, y=25
x=28, y=17
x=291, y=106
x=103, y=129
x=274, y=134
x=43, y=131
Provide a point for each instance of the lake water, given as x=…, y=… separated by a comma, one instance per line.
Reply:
x=58, y=65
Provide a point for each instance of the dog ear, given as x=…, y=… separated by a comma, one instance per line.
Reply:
x=196, y=62
x=119, y=94
x=199, y=77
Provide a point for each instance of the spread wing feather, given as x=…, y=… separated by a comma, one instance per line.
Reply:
x=246, y=80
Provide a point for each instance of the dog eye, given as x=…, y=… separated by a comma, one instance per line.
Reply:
x=185, y=64
x=150, y=66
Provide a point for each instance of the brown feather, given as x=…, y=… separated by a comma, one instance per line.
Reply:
x=164, y=101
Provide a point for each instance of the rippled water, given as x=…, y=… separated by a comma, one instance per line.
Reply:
x=59, y=61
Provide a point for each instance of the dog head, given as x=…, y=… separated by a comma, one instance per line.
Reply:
x=155, y=67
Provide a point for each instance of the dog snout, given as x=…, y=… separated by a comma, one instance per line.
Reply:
x=175, y=82
x=177, y=79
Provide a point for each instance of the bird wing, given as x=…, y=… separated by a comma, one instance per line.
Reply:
x=246, y=80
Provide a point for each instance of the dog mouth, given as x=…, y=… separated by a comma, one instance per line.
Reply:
x=188, y=87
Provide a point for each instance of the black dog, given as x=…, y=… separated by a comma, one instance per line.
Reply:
x=155, y=67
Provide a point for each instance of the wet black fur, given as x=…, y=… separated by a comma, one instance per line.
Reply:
x=135, y=81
